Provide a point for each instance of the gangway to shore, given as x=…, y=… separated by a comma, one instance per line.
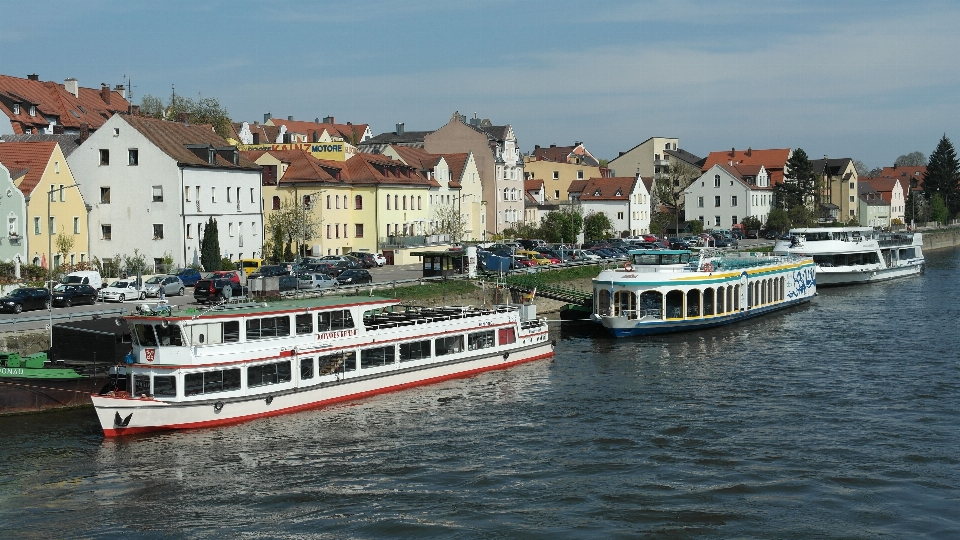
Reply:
x=527, y=283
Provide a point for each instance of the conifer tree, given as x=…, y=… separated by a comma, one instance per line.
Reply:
x=942, y=176
x=210, y=247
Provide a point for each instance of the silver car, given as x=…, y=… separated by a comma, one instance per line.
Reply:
x=172, y=285
x=316, y=281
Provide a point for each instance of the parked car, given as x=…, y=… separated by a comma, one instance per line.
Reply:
x=316, y=280
x=584, y=255
x=522, y=261
x=26, y=298
x=189, y=276
x=366, y=259
x=327, y=268
x=753, y=234
x=249, y=266
x=122, y=290
x=232, y=275
x=270, y=270
x=171, y=286
x=354, y=276
x=722, y=241
x=381, y=260
x=83, y=277
x=214, y=290
x=68, y=295
x=678, y=243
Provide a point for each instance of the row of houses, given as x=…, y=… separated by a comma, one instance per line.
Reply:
x=82, y=174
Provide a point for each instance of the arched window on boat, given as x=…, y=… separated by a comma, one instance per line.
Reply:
x=602, y=301
x=651, y=304
x=693, y=303
x=736, y=298
x=708, y=298
x=675, y=304
x=624, y=304
x=783, y=288
x=721, y=291
x=750, y=294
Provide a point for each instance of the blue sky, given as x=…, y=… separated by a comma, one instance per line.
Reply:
x=870, y=80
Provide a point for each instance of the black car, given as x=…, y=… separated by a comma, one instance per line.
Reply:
x=678, y=243
x=366, y=259
x=213, y=289
x=354, y=276
x=68, y=295
x=26, y=298
x=327, y=268
x=270, y=270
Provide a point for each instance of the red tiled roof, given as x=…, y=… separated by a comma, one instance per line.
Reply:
x=456, y=163
x=740, y=172
x=170, y=138
x=379, y=169
x=617, y=188
x=576, y=186
x=266, y=134
x=346, y=131
x=304, y=168
x=532, y=184
x=52, y=99
x=30, y=158
x=774, y=160
x=904, y=172
x=416, y=157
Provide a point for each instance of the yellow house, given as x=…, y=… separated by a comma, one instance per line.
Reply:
x=56, y=220
x=557, y=175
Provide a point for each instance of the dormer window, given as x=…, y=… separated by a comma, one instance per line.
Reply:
x=16, y=108
x=619, y=193
x=211, y=156
x=33, y=110
x=596, y=193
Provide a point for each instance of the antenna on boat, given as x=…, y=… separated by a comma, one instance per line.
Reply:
x=209, y=309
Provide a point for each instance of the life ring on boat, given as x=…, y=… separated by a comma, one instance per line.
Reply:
x=627, y=267
x=707, y=267
x=122, y=394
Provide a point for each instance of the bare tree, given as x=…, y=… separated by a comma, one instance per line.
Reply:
x=450, y=220
x=668, y=189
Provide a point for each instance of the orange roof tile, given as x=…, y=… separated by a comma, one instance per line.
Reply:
x=170, y=138
x=773, y=160
x=346, y=131
x=53, y=100
x=617, y=188
x=30, y=158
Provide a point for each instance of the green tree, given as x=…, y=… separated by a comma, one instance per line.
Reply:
x=210, y=247
x=201, y=111
x=596, y=226
x=751, y=223
x=564, y=224
x=135, y=264
x=801, y=216
x=942, y=176
x=800, y=184
x=661, y=221
x=938, y=209
x=696, y=226
x=778, y=220
x=913, y=159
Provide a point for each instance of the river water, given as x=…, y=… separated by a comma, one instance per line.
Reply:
x=838, y=419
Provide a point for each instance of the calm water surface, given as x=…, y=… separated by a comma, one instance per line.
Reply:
x=838, y=419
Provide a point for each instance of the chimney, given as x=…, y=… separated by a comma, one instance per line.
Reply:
x=316, y=120
x=57, y=129
x=578, y=143
x=121, y=89
x=733, y=152
x=749, y=151
x=71, y=85
x=84, y=131
x=399, y=128
x=328, y=120
x=33, y=77
x=267, y=117
x=315, y=137
x=290, y=118
x=256, y=138
x=105, y=93
x=536, y=147
x=135, y=110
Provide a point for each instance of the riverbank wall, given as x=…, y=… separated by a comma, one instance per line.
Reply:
x=947, y=237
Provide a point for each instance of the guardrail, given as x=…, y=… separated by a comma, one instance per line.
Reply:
x=6, y=324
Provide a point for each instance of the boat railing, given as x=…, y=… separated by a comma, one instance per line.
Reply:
x=414, y=315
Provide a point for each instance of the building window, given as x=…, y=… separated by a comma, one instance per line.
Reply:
x=52, y=193
x=358, y=230
x=556, y=175
x=337, y=230
x=716, y=221
x=344, y=202
x=189, y=230
x=276, y=202
x=251, y=195
x=306, y=202
x=52, y=224
x=329, y=231
x=716, y=180
x=133, y=156
x=733, y=200
x=56, y=167
x=579, y=175
x=358, y=202
x=419, y=202
x=716, y=201
x=388, y=202
x=157, y=193
x=213, y=194
x=851, y=198
x=16, y=108
x=157, y=231
x=396, y=202
x=104, y=156
x=106, y=232
x=186, y=193
x=36, y=225
x=852, y=187
x=230, y=228
x=700, y=202
x=619, y=215
x=33, y=110
x=556, y=194
x=228, y=195
x=404, y=202
x=76, y=225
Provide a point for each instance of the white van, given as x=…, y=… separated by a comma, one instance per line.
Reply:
x=84, y=277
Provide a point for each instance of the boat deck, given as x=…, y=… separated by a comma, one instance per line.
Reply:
x=412, y=315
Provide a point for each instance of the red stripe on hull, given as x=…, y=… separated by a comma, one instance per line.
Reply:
x=318, y=404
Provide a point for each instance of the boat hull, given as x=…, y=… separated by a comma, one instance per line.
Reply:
x=148, y=415
x=27, y=394
x=837, y=278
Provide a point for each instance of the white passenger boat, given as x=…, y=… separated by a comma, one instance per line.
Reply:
x=237, y=362
x=662, y=291
x=850, y=255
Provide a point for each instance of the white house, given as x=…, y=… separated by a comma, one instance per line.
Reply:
x=624, y=199
x=726, y=194
x=154, y=185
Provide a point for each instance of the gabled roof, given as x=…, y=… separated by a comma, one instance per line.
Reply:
x=68, y=142
x=171, y=138
x=405, y=138
x=303, y=167
x=266, y=134
x=743, y=172
x=29, y=159
x=566, y=154
x=774, y=160
x=576, y=186
x=884, y=184
x=870, y=196
x=348, y=132
x=416, y=157
x=92, y=106
x=686, y=157
x=833, y=166
x=904, y=172
x=378, y=169
x=617, y=188
x=532, y=185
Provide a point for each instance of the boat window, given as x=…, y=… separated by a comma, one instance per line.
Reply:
x=449, y=345
x=306, y=368
x=675, y=304
x=380, y=356
x=480, y=340
x=169, y=336
x=275, y=373
x=211, y=382
x=165, y=385
x=268, y=327
x=602, y=301
x=506, y=336
x=337, y=363
x=213, y=333
x=141, y=385
x=145, y=335
x=693, y=303
x=304, y=323
x=416, y=350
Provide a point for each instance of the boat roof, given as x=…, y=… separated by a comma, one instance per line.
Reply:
x=831, y=229
x=659, y=251
x=265, y=308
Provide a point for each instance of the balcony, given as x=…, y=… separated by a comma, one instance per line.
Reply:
x=414, y=241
